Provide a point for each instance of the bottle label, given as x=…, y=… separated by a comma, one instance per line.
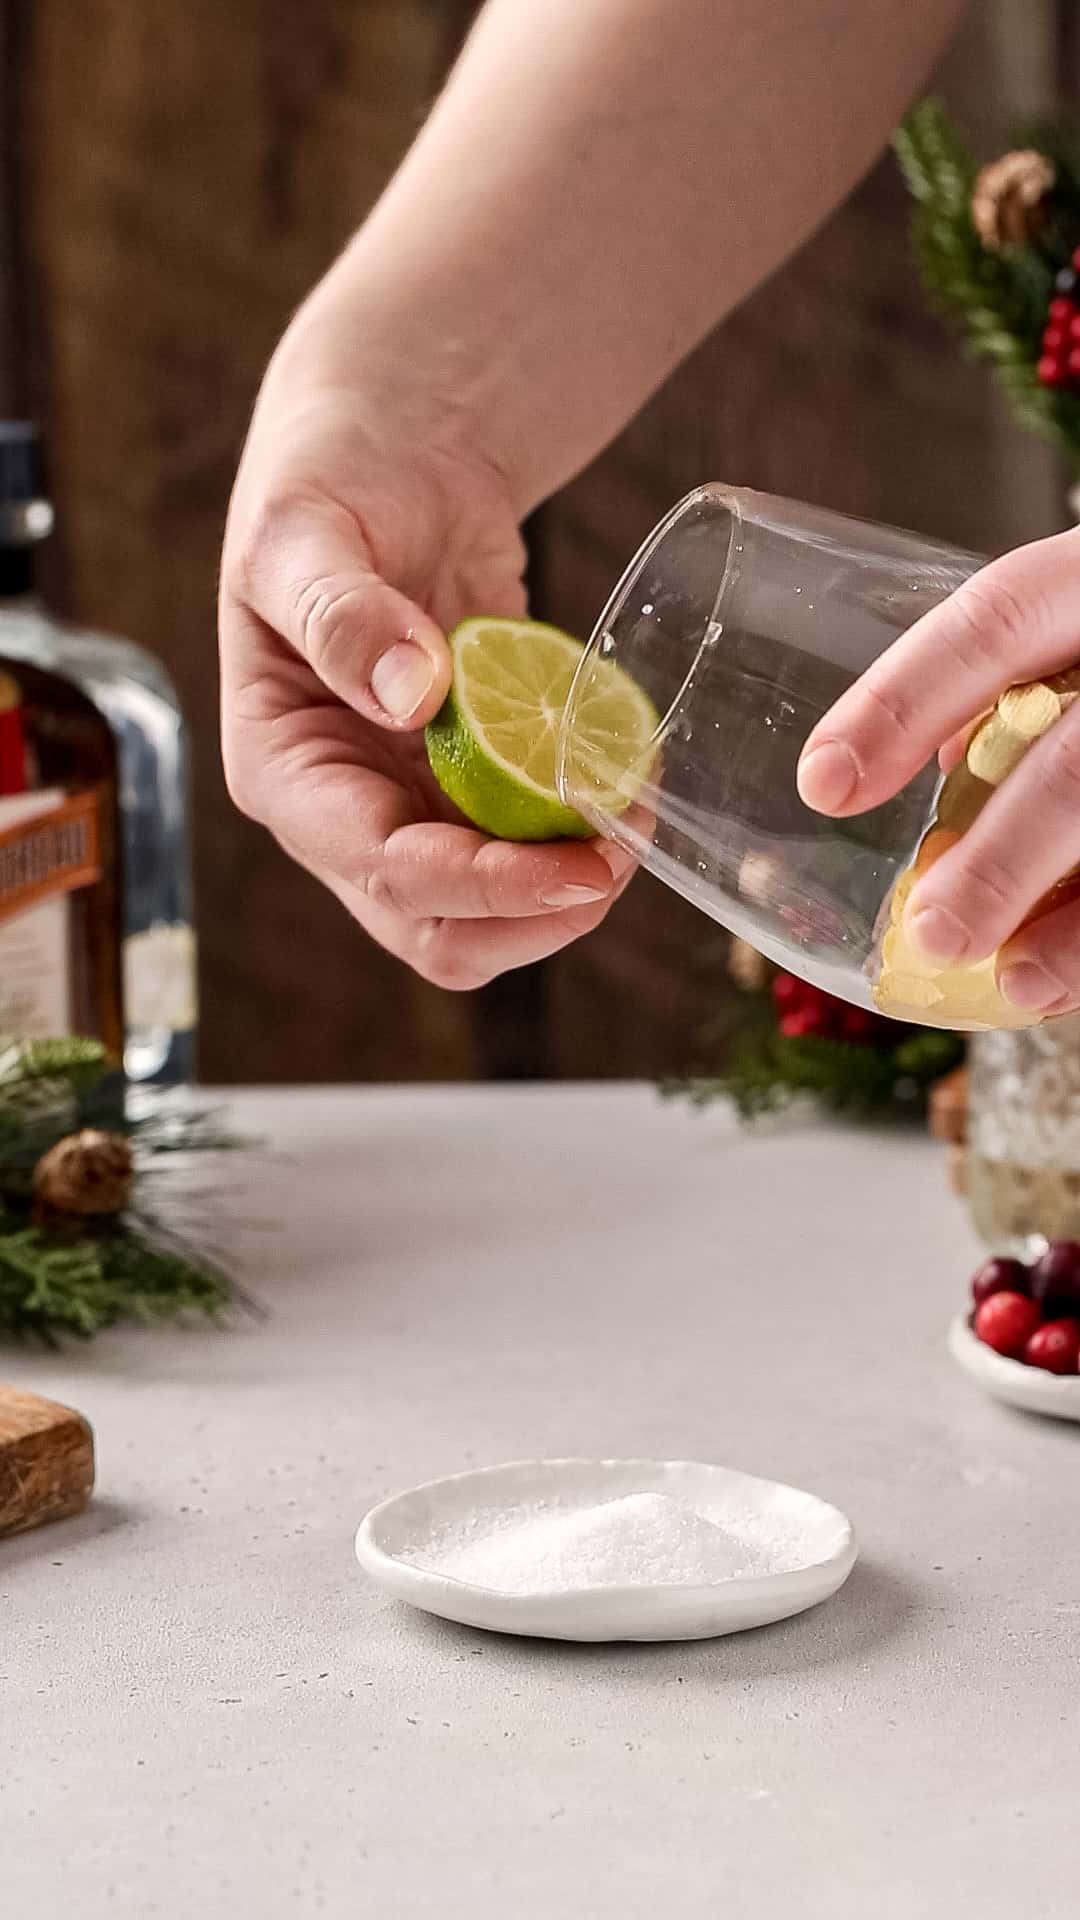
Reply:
x=49, y=846
x=35, y=972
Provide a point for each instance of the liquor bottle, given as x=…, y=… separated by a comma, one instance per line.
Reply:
x=95, y=872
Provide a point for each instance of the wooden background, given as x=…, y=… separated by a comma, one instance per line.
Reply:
x=173, y=175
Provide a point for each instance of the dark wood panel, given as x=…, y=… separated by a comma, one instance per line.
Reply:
x=7, y=211
x=188, y=172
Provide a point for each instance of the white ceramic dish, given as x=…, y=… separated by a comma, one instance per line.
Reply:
x=1031, y=1388
x=812, y=1544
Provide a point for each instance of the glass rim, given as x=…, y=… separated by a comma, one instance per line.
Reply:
x=728, y=498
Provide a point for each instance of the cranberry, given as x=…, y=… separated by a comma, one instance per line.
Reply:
x=805, y=1023
x=1055, y=1346
x=998, y=1276
x=1006, y=1322
x=787, y=991
x=858, y=1025
x=1050, y=370
x=1055, y=1279
x=1061, y=309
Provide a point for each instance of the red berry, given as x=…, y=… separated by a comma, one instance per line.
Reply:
x=787, y=991
x=1050, y=370
x=998, y=1275
x=1072, y=361
x=804, y=1023
x=1074, y=327
x=1061, y=309
x=1055, y=1279
x=1006, y=1322
x=1076, y=258
x=1054, y=1346
x=858, y=1025
x=1055, y=337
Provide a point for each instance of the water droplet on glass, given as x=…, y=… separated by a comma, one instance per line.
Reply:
x=648, y=607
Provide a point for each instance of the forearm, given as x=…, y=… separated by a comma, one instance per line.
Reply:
x=602, y=181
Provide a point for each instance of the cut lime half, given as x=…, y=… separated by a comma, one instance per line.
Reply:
x=493, y=746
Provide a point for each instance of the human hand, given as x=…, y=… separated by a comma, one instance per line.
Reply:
x=1017, y=619
x=360, y=530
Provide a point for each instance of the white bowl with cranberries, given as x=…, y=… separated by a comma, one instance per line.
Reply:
x=1021, y=1338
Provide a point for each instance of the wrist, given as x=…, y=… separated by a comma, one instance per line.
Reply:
x=416, y=362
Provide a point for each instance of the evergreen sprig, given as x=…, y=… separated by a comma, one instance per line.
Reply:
x=766, y=1071
x=998, y=300
x=85, y=1275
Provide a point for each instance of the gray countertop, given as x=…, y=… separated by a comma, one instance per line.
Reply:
x=209, y=1712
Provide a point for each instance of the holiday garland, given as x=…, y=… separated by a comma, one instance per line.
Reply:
x=86, y=1237
x=785, y=1040
x=998, y=248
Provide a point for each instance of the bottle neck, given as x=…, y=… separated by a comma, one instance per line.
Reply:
x=16, y=573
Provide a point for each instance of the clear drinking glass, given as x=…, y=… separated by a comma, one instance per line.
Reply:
x=744, y=618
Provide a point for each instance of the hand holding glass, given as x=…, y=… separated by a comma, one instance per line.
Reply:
x=744, y=618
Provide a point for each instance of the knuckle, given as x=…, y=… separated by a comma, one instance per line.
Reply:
x=1060, y=763
x=240, y=784
x=377, y=888
x=989, y=621
x=490, y=880
x=439, y=958
x=890, y=704
x=327, y=615
x=990, y=882
x=1056, y=949
x=250, y=548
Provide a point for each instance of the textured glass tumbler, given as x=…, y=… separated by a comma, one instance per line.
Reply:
x=744, y=618
x=1023, y=1145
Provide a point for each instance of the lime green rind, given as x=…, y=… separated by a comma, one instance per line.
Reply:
x=485, y=793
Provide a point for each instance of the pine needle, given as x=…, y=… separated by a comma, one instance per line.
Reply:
x=86, y=1275
x=996, y=301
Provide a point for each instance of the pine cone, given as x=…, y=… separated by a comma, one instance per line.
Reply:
x=1008, y=204
x=86, y=1173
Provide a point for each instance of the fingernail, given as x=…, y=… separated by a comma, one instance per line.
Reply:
x=1027, y=985
x=939, y=933
x=401, y=679
x=573, y=896
x=828, y=776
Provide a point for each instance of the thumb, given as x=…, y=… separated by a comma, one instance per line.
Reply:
x=372, y=646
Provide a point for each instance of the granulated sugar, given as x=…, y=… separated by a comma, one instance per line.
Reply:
x=643, y=1539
